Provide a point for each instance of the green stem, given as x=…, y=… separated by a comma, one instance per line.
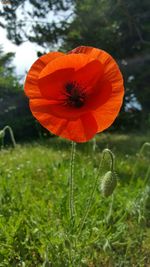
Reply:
x=71, y=200
x=112, y=157
x=94, y=144
x=94, y=187
x=88, y=206
x=71, y=183
x=146, y=144
x=7, y=127
x=110, y=211
x=147, y=176
x=105, y=151
x=2, y=135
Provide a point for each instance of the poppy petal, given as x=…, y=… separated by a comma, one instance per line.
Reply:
x=58, y=110
x=106, y=114
x=56, y=106
x=52, y=123
x=96, y=80
x=67, y=61
x=77, y=130
x=31, y=82
x=51, y=86
x=94, y=70
x=101, y=93
x=111, y=69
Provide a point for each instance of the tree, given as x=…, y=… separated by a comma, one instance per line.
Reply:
x=36, y=21
x=8, y=80
x=120, y=27
x=14, y=110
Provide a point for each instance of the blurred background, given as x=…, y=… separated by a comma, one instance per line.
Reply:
x=30, y=28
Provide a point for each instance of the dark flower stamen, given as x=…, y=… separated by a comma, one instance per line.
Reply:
x=75, y=94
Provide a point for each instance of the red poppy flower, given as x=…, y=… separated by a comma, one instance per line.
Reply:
x=75, y=95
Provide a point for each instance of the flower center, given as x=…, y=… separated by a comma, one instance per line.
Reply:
x=75, y=94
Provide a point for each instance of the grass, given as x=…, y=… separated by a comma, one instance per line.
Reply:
x=35, y=228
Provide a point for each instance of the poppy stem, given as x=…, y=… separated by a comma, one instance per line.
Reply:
x=71, y=183
x=112, y=158
x=104, y=152
x=2, y=135
x=139, y=155
x=7, y=127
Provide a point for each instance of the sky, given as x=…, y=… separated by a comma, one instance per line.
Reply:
x=25, y=54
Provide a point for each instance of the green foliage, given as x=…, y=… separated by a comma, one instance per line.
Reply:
x=8, y=80
x=120, y=27
x=43, y=29
x=14, y=108
x=34, y=227
x=136, y=109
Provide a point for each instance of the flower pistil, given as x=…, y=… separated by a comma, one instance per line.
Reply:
x=75, y=94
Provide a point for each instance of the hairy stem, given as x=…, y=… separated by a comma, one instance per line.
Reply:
x=7, y=127
x=146, y=144
x=71, y=183
x=105, y=151
x=112, y=157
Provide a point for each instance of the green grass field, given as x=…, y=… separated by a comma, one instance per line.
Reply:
x=34, y=215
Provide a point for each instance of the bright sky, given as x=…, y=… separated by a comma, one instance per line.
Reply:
x=25, y=54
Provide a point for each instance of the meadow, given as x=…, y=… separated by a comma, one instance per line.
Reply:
x=34, y=216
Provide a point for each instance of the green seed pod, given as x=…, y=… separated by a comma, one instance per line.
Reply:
x=108, y=183
x=2, y=134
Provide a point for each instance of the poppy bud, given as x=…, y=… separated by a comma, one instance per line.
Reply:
x=108, y=183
